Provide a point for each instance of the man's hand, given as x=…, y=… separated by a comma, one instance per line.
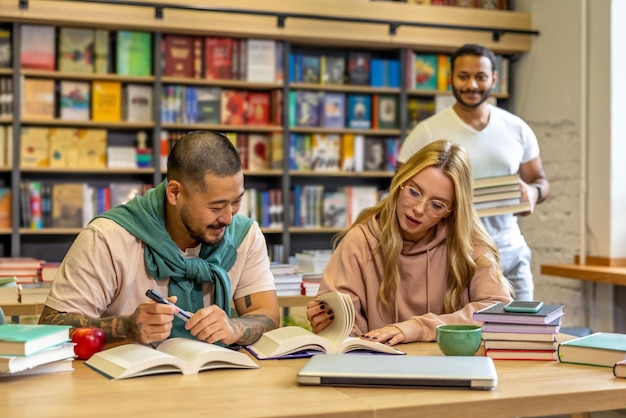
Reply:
x=211, y=324
x=152, y=321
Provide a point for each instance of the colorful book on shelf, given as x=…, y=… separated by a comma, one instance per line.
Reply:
x=385, y=111
x=38, y=98
x=546, y=355
x=333, y=110
x=325, y=152
x=443, y=72
x=598, y=349
x=175, y=355
x=294, y=341
x=62, y=147
x=310, y=67
x=234, y=107
x=76, y=50
x=92, y=148
x=106, y=101
x=134, y=53
x=307, y=108
x=75, y=100
x=101, y=51
x=138, y=103
x=67, y=205
x=424, y=71
x=37, y=47
x=333, y=69
x=334, y=212
x=5, y=207
x=208, y=104
x=34, y=147
x=16, y=364
x=496, y=313
x=6, y=47
x=359, y=68
x=258, y=108
x=374, y=154
x=260, y=60
x=359, y=111
x=218, y=58
x=27, y=339
x=259, y=151
x=178, y=55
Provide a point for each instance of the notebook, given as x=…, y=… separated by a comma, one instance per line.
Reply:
x=399, y=371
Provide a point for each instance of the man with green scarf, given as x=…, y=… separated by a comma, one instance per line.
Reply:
x=184, y=239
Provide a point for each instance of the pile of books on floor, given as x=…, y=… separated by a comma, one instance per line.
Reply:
x=520, y=336
x=287, y=281
x=498, y=195
x=33, y=349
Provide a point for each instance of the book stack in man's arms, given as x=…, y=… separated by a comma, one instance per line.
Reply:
x=520, y=336
x=498, y=195
x=30, y=348
x=598, y=349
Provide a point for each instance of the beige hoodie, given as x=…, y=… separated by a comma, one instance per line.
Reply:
x=417, y=307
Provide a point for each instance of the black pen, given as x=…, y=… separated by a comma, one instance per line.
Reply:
x=155, y=296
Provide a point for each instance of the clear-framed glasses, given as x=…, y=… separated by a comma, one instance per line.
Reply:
x=434, y=208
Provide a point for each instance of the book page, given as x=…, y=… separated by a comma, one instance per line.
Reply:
x=287, y=340
x=131, y=360
x=342, y=325
x=200, y=356
x=354, y=344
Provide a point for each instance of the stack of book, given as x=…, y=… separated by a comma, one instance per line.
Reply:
x=32, y=349
x=311, y=283
x=498, y=195
x=25, y=269
x=312, y=261
x=520, y=336
x=287, y=281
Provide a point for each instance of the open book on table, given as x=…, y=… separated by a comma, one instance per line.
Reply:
x=293, y=341
x=176, y=355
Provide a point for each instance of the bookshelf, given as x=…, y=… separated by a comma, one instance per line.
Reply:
x=298, y=33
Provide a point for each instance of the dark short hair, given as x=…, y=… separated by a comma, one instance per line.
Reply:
x=199, y=153
x=476, y=50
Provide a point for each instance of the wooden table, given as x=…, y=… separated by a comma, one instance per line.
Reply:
x=588, y=272
x=525, y=388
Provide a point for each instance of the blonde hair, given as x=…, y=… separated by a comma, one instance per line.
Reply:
x=464, y=228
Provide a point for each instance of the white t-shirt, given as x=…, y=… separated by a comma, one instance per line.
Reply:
x=104, y=273
x=499, y=149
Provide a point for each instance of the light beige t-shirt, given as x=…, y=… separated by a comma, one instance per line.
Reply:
x=104, y=274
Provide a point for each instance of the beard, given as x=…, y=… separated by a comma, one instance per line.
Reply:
x=199, y=233
x=484, y=95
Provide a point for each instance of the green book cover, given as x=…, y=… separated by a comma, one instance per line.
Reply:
x=29, y=332
x=603, y=340
x=134, y=53
x=599, y=349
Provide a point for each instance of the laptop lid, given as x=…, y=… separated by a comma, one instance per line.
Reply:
x=369, y=370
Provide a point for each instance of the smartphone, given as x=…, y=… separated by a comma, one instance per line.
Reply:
x=523, y=306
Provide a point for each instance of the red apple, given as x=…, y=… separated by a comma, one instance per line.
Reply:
x=89, y=340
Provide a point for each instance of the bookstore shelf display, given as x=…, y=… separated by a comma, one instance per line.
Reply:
x=87, y=118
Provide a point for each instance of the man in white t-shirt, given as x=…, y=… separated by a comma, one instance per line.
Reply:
x=498, y=142
x=183, y=239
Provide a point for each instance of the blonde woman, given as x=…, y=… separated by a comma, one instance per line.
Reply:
x=419, y=258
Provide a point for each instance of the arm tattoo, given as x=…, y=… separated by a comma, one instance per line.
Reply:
x=252, y=326
x=248, y=300
x=116, y=328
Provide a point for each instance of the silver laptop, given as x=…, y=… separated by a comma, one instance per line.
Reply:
x=370, y=370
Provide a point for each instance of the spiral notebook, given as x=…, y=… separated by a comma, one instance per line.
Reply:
x=432, y=372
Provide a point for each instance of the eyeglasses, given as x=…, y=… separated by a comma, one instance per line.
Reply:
x=434, y=208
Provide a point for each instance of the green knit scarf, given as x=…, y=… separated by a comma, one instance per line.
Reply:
x=144, y=217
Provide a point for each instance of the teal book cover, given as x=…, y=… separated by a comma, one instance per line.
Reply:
x=599, y=349
x=27, y=339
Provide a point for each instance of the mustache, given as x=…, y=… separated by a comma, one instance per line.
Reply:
x=218, y=225
x=471, y=91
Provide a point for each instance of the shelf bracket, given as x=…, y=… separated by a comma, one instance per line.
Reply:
x=496, y=34
x=23, y=4
x=393, y=28
x=158, y=13
x=280, y=21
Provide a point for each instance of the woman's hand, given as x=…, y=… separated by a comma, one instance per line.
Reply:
x=389, y=334
x=319, y=315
